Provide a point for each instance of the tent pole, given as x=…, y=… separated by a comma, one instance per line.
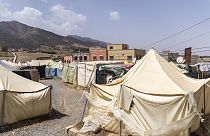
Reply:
x=204, y=107
x=120, y=128
x=85, y=75
x=50, y=110
x=83, y=113
x=3, y=107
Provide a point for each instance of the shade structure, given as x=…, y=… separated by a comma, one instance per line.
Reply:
x=153, y=98
x=21, y=98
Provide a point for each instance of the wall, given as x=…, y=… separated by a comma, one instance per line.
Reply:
x=117, y=46
x=96, y=53
x=81, y=56
x=126, y=54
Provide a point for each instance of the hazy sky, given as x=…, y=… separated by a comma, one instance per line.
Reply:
x=135, y=22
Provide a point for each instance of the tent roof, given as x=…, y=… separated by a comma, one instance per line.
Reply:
x=6, y=65
x=12, y=82
x=40, y=62
x=155, y=75
x=101, y=62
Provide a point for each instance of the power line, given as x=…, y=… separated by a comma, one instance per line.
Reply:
x=149, y=45
x=201, y=51
x=194, y=49
x=193, y=38
x=201, y=48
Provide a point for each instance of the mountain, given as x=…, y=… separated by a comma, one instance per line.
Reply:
x=14, y=34
x=88, y=40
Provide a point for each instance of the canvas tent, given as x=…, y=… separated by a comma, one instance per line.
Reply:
x=83, y=73
x=179, y=69
x=153, y=98
x=39, y=62
x=86, y=71
x=7, y=65
x=69, y=73
x=21, y=98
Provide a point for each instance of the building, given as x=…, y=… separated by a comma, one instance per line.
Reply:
x=122, y=52
x=98, y=54
x=80, y=55
x=67, y=59
x=165, y=54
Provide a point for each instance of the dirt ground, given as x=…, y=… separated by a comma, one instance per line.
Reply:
x=68, y=105
x=24, y=56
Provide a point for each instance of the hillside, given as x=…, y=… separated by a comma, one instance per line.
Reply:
x=14, y=34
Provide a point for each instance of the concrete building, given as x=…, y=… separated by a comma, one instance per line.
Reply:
x=97, y=54
x=80, y=55
x=67, y=59
x=122, y=52
x=165, y=54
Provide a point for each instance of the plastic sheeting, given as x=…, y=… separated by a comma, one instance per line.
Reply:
x=50, y=72
x=59, y=72
x=69, y=73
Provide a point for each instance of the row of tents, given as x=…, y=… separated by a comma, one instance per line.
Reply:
x=153, y=98
x=77, y=73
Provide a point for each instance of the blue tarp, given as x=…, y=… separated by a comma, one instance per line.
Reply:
x=59, y=72
x=50, y=72
x=53, y=72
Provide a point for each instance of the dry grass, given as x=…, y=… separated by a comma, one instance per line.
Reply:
x=24, y=56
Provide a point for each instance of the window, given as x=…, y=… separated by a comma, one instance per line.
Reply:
x=85, y=58
x=129, y=57
x=111, y=57
x=80, y=58
x=75, y=58
x=125, y=47
x=94, y=58
x=111, y=47
x=137, y=57
x=101, y=57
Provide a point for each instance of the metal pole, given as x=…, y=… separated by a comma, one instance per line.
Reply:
x=85, y=76
x=204, y=107
x=83, y=113
x=50, y=108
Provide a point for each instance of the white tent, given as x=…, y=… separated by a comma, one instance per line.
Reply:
x=21, y=98
x=86, y=72
x=69, y=73
x=40, y=62
x=153, y=98
x=179, y=69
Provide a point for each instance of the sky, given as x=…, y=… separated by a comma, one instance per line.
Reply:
x=138, y=23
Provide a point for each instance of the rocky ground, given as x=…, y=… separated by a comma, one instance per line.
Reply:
x=67, y=109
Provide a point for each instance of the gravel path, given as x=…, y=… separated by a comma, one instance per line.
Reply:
x=67, y=109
